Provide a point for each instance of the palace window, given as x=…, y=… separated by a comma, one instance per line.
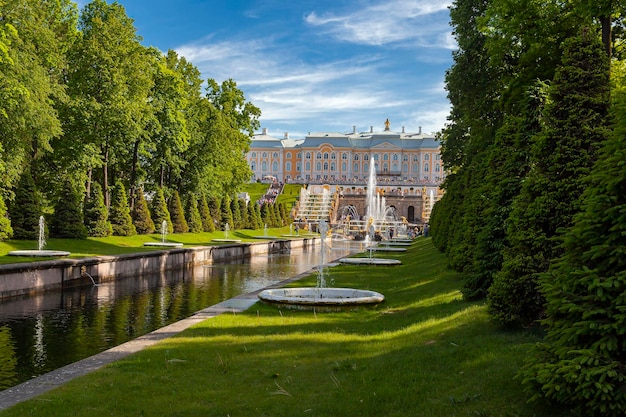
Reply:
x=288, y=155
x=333, y=166
x=344, y=156
x=344, y=166
x=275, y=155
x=437, y=168
x=426, y=167
x=405, y=157
x=298, y=166
x=318, y=155
x=366, y=157
x=308, y=155
x=288, y=166
x=356, y=156
x=253, y=154
x=325, y=166
x=264, y=155
x=416, y=158
x=299, y=155
x=318, y=166
x=274, y=166
x=426, y=157
x=264, y=166
x=405, y=168
x=355, y=168
x=308, y=166
x=395, y=157
x=325, y=155
x=333, y=156
x=385, y=157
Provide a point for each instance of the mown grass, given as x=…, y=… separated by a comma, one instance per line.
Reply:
x=116, y=245
x=423, y=352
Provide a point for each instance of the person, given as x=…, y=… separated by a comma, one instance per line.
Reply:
x=297, y=229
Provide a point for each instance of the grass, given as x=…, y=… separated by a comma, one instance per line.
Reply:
x=256, y=189
x=290, y=194
x=423, y=352
x=116, y=245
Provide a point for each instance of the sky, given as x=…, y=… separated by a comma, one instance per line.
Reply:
x=315, y=65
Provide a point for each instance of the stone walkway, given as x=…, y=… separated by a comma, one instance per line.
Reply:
x=51, y=380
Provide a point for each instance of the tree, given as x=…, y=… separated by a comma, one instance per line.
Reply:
x=178, y=215
x=141, y=215
x=6, y=231
x=193, y=214
x=119, y=215
x=67, y=220
x=109, y=81
x=226, y=215
x=26, y=209
x=160, y=212
x=96, y=214
x=581, y=361
x=575, y=124
x=205, y=215
x=237, y=217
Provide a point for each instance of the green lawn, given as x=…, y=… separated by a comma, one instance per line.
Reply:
x=423, y=352
x=115, y=245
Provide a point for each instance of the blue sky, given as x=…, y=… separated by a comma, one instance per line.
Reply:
x=315, y=65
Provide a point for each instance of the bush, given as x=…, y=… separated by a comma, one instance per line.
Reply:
x=6, y=231
x=193, y=215
x=160, y=212
x=205, y=215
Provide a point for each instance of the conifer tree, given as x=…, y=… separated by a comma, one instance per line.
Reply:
x=252, y=217
x=243, y=209
x=67, y=220
x=205, y=215
x=581, y=361
x=575, y=124
x=237, y=218
x=257, y=216
x=226, y=215
x=119, y=214
x=159, y=211
x=194, y=220
x=6, y=231
x=141, y=215
x=96, y=214
x=178, y=215
x=25, y=209
x=215, y=209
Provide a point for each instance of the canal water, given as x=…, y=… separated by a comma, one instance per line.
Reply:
x=41, y=333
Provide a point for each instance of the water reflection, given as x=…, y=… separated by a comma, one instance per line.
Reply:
x=41, y=333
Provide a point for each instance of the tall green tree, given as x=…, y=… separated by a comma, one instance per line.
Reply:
x=34, y=38
x=575, y=124
x=6, y=231
x=581, y=362
x=226, y=215
x=109, y=81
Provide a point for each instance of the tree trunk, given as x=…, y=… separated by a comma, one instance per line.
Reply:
x=606, y=34
x=105, y=175
x=133, y=175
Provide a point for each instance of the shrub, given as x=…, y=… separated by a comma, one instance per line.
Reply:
x=96, y=215
x=119, y=214
x=67, y=220
x=176, y=212
x=141, y=215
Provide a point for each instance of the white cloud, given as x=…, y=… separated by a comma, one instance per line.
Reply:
x=398, y=21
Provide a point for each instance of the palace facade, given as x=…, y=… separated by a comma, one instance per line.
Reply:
x=408, y=168
x=344, y=158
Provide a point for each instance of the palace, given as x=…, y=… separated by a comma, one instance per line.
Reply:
x=406, y=164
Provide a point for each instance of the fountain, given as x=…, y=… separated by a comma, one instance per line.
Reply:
x=163, y=243
x=320, y=297
x=265, y=235
x=41, y=243
x=226, y=236
x=376, y=213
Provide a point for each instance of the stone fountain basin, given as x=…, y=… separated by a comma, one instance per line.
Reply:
x=164, y=244
x=36, y=252
x=310, y=296
x=370, y=261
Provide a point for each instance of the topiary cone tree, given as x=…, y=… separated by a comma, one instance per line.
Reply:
x=119, y=214
x=141, y=215
x=178, y=215
x=67, y=220
x=159, y=211
x=25, y=209
x=96, y=215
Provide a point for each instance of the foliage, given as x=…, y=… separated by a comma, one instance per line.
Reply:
x=575, y=123
x=141, y=214
x=581, y=362
x=237, y=216
x=193, y=214
x=96, y=214
x=67, y=220
x=205, y=215
x=159, y=211
x=177, y=213
x=25, y=209
x=119, y=213
x=226, y=214
x=6, y=231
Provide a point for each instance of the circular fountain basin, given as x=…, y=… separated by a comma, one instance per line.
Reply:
x=164, y=244
x=386, y=249
x=42, y=253
x=310, y=297
x=265, y=237
x=370, y=261
x=226, y=240
x=392, y=243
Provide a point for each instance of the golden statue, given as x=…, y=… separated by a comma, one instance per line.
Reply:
x=387, y=123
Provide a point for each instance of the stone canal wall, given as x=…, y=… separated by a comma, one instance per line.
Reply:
x=33, y=277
